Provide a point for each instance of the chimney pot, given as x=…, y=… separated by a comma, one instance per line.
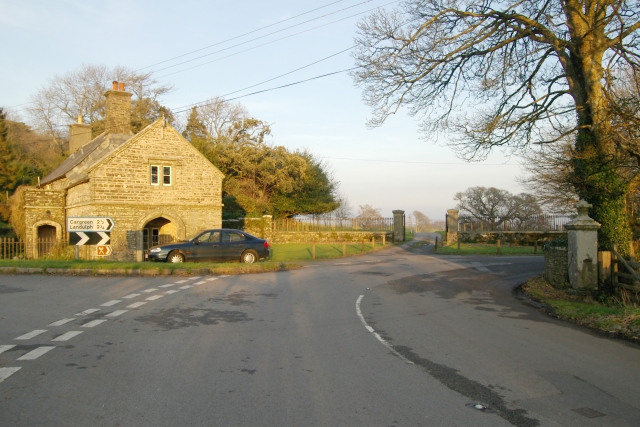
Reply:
x=80, y=120
x=115, y=85
x=122, y=86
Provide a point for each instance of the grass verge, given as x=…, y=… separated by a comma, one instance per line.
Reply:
x=304, y=251
x=487, y=249
x=617, y=315
x=121, y=267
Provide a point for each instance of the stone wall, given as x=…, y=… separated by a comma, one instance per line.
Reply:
x=42, y=207
x=556, y=267
x=513, y=238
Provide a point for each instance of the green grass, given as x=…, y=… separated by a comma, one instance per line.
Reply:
x=165, y=268
x=486, y=249
x=611, y=314
x=303, y=251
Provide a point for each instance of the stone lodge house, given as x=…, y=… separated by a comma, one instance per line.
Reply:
x=155, y=185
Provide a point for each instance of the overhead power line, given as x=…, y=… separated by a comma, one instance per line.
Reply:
x=239, y=36
x=258, y=38
x=419, y=163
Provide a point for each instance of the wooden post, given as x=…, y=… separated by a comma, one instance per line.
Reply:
x=362, y=250
x=373, y=243
x=458, y=245
x=77, y=252
x=535, y=247
x=498, y=244
x=436, y=247
x=313, y=251
x=384, y=239
x=344, y=249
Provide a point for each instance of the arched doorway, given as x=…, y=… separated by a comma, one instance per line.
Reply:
x=158, y=231
x=46, y=239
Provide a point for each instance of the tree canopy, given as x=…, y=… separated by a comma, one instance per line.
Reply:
x=496, y=205
x=259, y=178
x=509, y=74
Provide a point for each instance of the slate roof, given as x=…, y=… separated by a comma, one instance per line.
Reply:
x=76, y=164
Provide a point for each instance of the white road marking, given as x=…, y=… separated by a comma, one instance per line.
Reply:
x=212, y=278
x=166, y=286
x=480, y=267
x=7, y=372
x=150, y=290
x=34, y=354
x=378, y=337
x=155, y=297
x=131, y=296
x=180, y=281
x=110, y=303
x=116, y=313
x=193, y=278
x=136, y=304
x=4, y=348
x=202, y=282
x=342, y=263
x=31, y=334
x=61, y=322
x=67, y=336
x=173, y=291
x=93, y=323
x=224, y=275
x=89, y=311
x=185, y=287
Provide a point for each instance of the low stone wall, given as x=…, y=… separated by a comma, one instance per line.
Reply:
x=329, y=237
x=510, y=237
x=556, y=267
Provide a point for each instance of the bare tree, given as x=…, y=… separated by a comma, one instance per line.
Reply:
x=81, y=93
x=219, y=116
x=423, y=223
x=495, y=205
x=508, y=74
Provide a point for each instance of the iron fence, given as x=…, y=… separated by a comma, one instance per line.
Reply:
x=11, y=248
x=324, y=224
x=468, y=224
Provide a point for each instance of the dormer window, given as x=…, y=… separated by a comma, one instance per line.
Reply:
x=160, y=175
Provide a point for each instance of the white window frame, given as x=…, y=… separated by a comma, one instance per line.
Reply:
x=160, y=175
x=170, y=175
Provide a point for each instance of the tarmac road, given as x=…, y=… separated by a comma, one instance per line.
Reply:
x=398, y=337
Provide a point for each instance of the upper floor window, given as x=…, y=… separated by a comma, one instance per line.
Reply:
x=160, y=174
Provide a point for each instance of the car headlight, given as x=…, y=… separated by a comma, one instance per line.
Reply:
x=155, y=250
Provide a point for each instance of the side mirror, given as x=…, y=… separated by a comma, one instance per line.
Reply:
x=196, y=242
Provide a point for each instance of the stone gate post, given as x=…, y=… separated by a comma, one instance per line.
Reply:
x=452, y=226
x=583, y=249
x=398, y=226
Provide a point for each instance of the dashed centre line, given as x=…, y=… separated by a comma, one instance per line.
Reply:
x=89, y=311
x=155, y=297
x=67, y=336
x=202, y=282
x=212, y=278
x=150, y=290
x=93, y=323
x=7, y=372
x=116, y=313
x=186, y=287
x=110, y=303
x=61, y=322
x=34, y=354
x=172, y=291
x=136, y=304
x=31, y=334
x=167, y=286
x=180, y=281
x=4, y=348
x=131, y=296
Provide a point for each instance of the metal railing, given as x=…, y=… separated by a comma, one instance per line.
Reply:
x=11, y=248
x=324, y=224
x=468, y=224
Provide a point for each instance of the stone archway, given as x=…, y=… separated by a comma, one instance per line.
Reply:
x=45, y=234
x=158, y=228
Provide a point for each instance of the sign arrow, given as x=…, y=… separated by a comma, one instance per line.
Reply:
x=83, y=238
x=105, y=238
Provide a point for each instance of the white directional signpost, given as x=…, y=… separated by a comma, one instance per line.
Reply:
x=91, y=230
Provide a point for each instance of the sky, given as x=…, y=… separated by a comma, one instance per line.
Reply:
x=390, y=167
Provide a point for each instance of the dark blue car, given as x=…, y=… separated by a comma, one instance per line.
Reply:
x=212, y=245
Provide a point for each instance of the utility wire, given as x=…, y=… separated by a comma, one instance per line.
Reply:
x=271, y=79
x=263, y=44
x=420, y=163
x=237, y=37
x=266, y=35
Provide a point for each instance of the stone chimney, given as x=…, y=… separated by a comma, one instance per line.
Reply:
x=118, y=114
x=79, y=135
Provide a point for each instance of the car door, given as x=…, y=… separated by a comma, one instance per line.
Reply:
x=205, y=247
x=233, y=244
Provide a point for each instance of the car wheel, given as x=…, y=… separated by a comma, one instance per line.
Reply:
x=249, y=257
x=175, y=257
